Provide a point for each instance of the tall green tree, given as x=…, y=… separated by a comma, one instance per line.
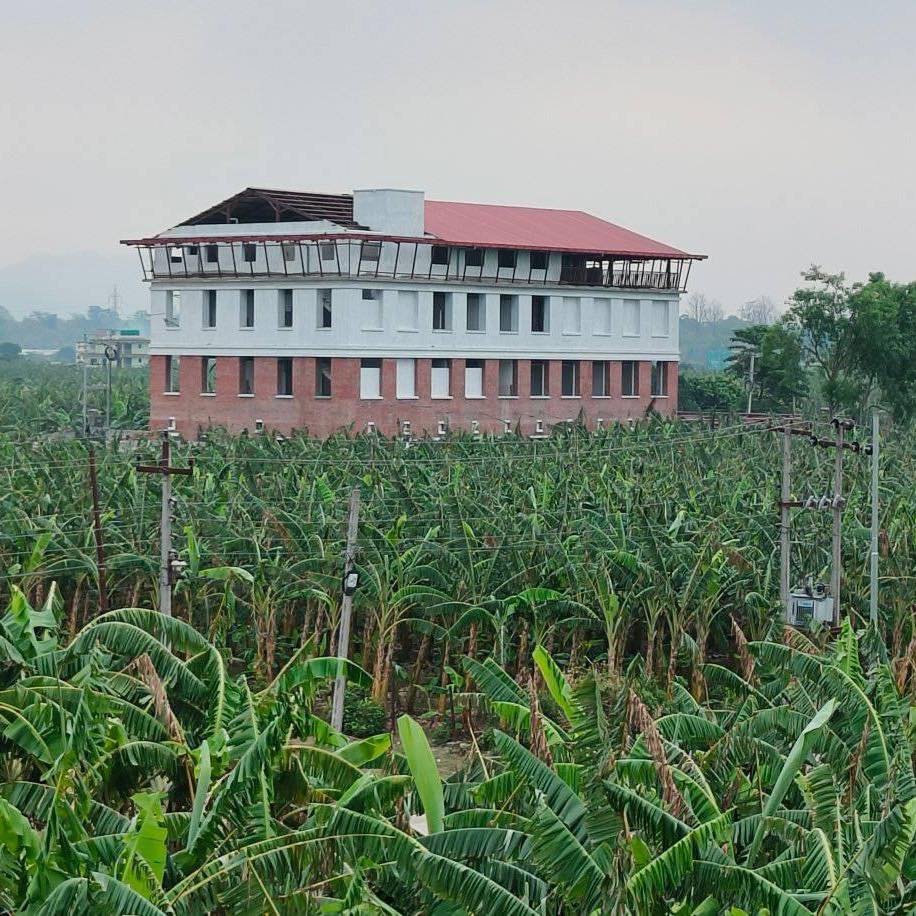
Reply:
x=780, y=378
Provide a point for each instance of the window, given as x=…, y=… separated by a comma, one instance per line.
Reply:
x=570, y=378
x=631, y=318
x=246, y=318
x=324, y=308
x=602, y=316
x=250, y=252
x=629, y=379
x=208, y=375
x=440, y=378
x=192, y=249
x=173, y=374
x=408, y=310
x=539, y=381
x=442, y=311
x=477, y=320
x=508, y=378
x=659, y=379
x=538, y=260
x=173, y=308
x=213, y=254
x=209, y=308
x=285, y=377
x=473, y=257
x=285, y=306
x=372, y=315
x=601, y=379
x=289, y=251
x=370, y=379
x=246, y=375
x=473, y=378
x=572, y=315
x=175, y=255
x=323, y=377
x=508, y=314
x=406, y=381
x=660, y=319
x=540, y=314
x=440, y=255
x=371, y=251
x=506, y=257
x=327, y=251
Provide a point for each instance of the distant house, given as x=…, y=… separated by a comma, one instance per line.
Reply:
x=129, y=348
x=380, y=308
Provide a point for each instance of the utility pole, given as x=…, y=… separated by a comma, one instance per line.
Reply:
x=873, y=565
x=785, y=495
x=97, y=530
x=837, y=505
x=750, y=383
x=346, y=610
x=166, y=558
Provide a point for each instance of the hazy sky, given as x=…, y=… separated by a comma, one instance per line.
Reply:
x=767, y=135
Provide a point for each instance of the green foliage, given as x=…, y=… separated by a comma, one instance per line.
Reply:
x=709, y=392
x=363, y=717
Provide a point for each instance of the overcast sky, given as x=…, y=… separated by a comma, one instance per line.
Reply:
x=766, y=135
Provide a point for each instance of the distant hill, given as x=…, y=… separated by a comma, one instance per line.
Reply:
x=704, y=344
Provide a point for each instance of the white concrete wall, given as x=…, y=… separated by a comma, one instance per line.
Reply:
x=390, y=211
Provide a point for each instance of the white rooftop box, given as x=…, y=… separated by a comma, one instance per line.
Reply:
x=390, y=211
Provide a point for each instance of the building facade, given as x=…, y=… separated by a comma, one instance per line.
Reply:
x=130, y=348
x=320, y=312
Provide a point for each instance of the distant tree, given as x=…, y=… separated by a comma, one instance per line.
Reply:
x=709, y=391
x=780, y=379
x=65, y=355
x=882, y=334
x=701, y=308
x=821, y=315
x=10, y=351
x=761, y=310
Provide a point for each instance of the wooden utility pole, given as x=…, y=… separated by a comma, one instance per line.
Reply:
x=166, y=559
x=97, y=531
x=873, y=564
x=346, y=610
x=785, y=530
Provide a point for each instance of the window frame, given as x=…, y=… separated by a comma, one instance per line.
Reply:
x=325, y=309
x=512, y=301
x=659, y=374
x=172, y=372
x=246, y=300
x=480, y=310
x=246, y=362
x=542, y=367
x=284, y=374
x=574, y=366
x=323, y=363
x=445, y=299
x=286, y=301
x=630, y=366
x=513, y=383
x=544, y=303
x=208, y=376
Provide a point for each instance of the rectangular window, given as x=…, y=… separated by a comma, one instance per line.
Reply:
x=246, y=316
x=538, y=260
x=570, y=378
x=324, y=308
x=631, y=317
x=473, y=257
x=209, y=308
x=370, y=379
x=660, y=319
x=406, y=381
x=372, y=309
x=289, y=251
x=601, y=379
x=408, y=310
x=659, y=379
x=323, y=377
x=540, y=314
x=540, y=387
x=213, y=254
x=572, y=315
x=208, y=375
x=442, y=311
x=327, y=251
x=441, y=378
x=506, y=257
x=440, y=255
x=175, y=255
x=602, y=311
x=284, y=376
x=473, y=378
x=371, y=251
x=173, y=308
x=246, y=375
x=508, y=378
x=476, y=312
x=508, y=314
x=629, y=379
x=285, y=306
x=173, y=374
x=250, y=252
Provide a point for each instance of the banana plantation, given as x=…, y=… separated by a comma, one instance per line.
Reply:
x=594, y=616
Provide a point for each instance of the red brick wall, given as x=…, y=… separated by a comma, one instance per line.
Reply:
x=322, y=416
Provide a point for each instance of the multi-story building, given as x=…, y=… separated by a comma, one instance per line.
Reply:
x=129, y=347
x=321, y=311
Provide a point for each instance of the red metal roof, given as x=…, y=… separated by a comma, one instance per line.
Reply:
x=491, y=225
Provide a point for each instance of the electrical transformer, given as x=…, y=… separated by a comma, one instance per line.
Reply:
x=808, y=607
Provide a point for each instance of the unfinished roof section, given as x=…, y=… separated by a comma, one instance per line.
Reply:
x=262, y=205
